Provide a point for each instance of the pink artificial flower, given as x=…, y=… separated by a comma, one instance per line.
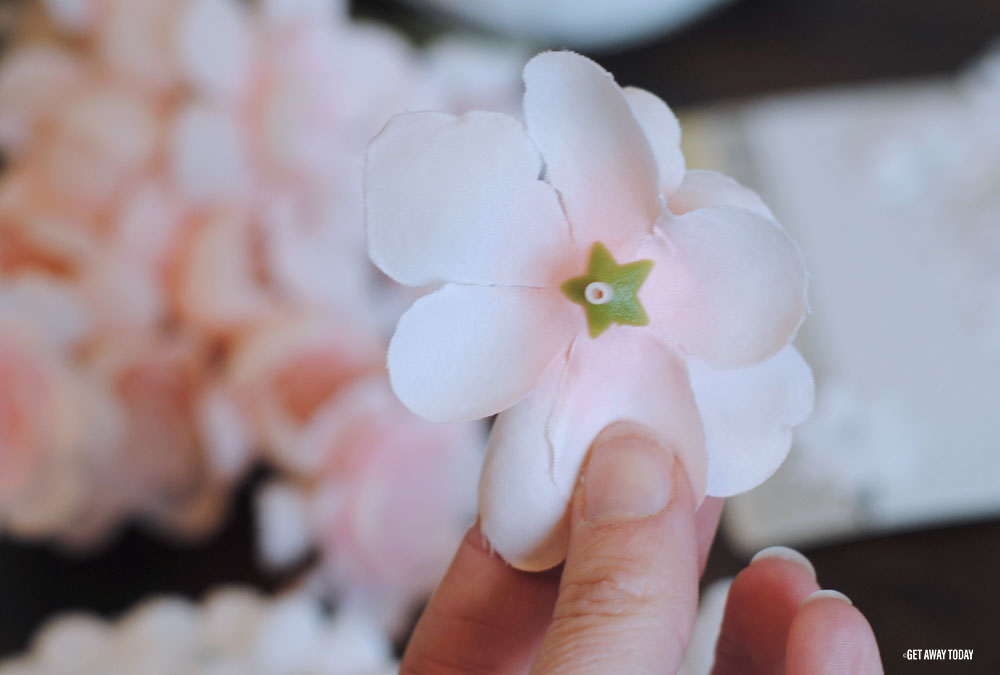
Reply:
x=55, y=422
x=587, y=278
x=284, y=372
x=189, y=174
x=161, y=470
x=388, y=505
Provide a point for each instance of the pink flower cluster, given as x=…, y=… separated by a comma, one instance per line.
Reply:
x=184, y=288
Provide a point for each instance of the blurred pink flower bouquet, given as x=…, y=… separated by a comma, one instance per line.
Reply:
x=183, y=283
x=587, y=277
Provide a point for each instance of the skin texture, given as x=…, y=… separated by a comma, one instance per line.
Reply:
x=626, y=597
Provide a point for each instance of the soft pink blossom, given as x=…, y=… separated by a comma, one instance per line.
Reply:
x=189, y=174
x=506, y=217
x=387, y=507
x=285, y=371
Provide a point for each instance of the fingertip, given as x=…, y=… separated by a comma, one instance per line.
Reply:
x=628, y=592
x=827, y=593
x=763, y=601
x=787, y=554
x=831, y=636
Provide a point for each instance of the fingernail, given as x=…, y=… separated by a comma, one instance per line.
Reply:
x=629, y=474
x=836, y=595
x=785, y=553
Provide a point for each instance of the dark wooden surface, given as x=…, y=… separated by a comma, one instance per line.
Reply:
x=923, y=589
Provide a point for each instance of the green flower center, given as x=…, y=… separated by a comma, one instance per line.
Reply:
x=609, y=292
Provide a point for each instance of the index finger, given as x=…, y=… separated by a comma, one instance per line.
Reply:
x=485, y=617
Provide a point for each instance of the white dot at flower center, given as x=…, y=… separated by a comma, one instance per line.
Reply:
x=598, y=293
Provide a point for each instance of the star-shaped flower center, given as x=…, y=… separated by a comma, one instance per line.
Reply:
x=609, y=292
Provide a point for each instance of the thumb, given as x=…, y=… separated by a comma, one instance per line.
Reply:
x=629, y=588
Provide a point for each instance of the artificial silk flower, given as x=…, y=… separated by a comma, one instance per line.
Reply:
x=586, y=278
x=189, y=174
x=385, y=507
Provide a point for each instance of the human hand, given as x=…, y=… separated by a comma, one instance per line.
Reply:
x=626, y=597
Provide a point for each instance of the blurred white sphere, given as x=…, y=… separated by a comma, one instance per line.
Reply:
x=577, y=23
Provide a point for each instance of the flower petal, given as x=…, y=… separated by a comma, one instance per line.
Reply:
x=702, y=188
x=629, y=374
x=748, y=415
x=663, y=131
x=538, y=446
x=458, y=199
x=33, y=78
x=466, y=352
x=208, y=155
x=133, y=40
x=211, y=45
x=728, y=285
x=522, y=495
x=596, y=154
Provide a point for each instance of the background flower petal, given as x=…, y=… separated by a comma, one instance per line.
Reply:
x=596, y=155
x=465, y=352
x=663, y=131
x=701, y=188
x=748, y=415
x=458, y=199
x=728, y=286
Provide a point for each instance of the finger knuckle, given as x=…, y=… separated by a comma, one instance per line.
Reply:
x=607, y=587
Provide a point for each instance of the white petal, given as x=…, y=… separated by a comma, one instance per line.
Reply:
x=73, y=642
x=226, y=433
x=73, y=15
x=466, y=352
x=596, y=155
x=283, y=524
x=702, y=188
x=664, y=133
x=212, y=45
x=629, y=374
x=538, y=446
x=209, y=156
x=458, y=199
x=522, y=496
x=229, y=620
x=728, y=285
x=748, y=414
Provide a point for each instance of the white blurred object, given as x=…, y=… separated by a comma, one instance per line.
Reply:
x=894, y=196
x=700, y=655
x=233, y=631
x=577, y=23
